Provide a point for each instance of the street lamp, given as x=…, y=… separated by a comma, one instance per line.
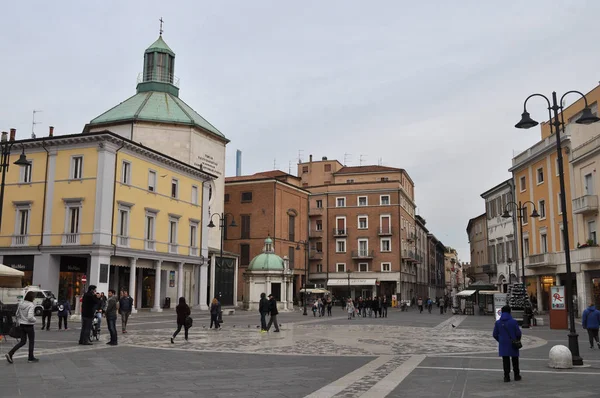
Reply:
x=509, y=262
x=521, y=209
x=305, y=244
x=349, y=292
x=527, y=122
x=222, y=220
x=6, y=146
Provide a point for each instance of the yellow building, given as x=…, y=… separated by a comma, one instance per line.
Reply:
x=97, y=204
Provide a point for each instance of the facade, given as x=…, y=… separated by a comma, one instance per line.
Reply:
x=477, y=231
x=267, y=204
x=362, y=229
x=422, y=252
x=159, y=119
x=453, y=270
x=97, y=205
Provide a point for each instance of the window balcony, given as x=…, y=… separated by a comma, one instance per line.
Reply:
x=123, y=241
x=20, y=240
x=71, y=239
x=363, y=254
x=315, y=255
x=314, y=234
x=150, y=245
x=585, y=204
x=385, y=231
x=315, y=211
x=589, y=255
x=340, y=232
x=409, y=255
x=539, y=260
x=173, y=248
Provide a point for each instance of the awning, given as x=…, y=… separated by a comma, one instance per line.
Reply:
x=315, y=291
x=489, y=292
x=466, y=292
x=353, y=282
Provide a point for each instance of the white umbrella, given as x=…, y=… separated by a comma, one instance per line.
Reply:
x=8, y=271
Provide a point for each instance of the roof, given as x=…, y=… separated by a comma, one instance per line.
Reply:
x=504, y=183
x=365, y=169
x=262, y=175
x=267, y=260
x=155, y=106
x=159, y=46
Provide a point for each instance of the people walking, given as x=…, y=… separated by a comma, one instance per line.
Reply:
x=441, y=304
x=429, y=304
x=125, y=308
x=507, y=333
x=273, y=312
x=46, y=313
x=329, y=304
x=64, y=310
x=111, y=316
x=215, y=310
x=183, y=312
x=89, y=304
x=315, y=308
x=263, y=308
x=375, y=305
x=590, y=321
x=420, y=304
x=26, y=319
x=384, y=307
x=350, y=308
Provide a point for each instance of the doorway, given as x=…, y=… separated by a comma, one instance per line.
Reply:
x=148, y=281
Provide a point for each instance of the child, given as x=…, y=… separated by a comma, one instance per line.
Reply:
x=350, y=308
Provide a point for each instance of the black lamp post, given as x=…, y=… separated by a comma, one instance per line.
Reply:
x=5, y=147
x=587, y=117
x=521, y=210
x=349, y=292
x=222, y=220
x=305, y=244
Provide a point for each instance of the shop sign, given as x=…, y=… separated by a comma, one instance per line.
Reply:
x=557, y=293
x=73, y=264
x=21, y=263
x=353, y=282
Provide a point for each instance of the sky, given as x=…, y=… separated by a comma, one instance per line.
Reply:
x=434, y=87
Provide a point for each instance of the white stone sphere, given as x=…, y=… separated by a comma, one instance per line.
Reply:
x=560, y=357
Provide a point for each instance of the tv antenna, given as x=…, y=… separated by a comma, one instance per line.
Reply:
x=290, y=167
x=33, y=123
x=346, y=157
x=380, y=162
x=300, y=153
x=360, y=159
x=274, y=163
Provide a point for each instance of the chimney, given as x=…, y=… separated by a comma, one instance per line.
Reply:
x=13, y=133
x=324, y=158
x=4, y=136
x=51, y=133
x=310, y=158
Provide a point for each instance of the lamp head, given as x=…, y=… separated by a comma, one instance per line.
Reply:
x=526, y=121
x=211, y=224
x=506, y=214
x=534, y=214
x=587, y=117
x=22, y=161
x=233, y=224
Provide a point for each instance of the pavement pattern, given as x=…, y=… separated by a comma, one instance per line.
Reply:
x=406, y=354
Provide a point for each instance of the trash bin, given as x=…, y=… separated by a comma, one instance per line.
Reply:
x=167, y=302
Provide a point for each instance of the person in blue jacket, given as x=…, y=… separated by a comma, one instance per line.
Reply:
x=590, y=320
x=506, y=330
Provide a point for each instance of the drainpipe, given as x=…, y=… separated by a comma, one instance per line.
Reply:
x=45, y=186
x=112, y=222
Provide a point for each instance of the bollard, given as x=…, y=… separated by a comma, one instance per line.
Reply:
x=560, y=357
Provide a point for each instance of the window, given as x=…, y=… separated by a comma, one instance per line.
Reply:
x=304, y=169
x=522, y=184
x=340, y=267
x=500, y=253
x=386, y=267
x=363, y=247
x=525, y=215
x=340, y=228
x=319, y=247
x=151, y=180
x=319, y=204
x=193, y=239
x=559, y=203
x=245, y=227
x=526, y=246
x=244, y=254
x=384, y=223
x=363, y=222
x=174, y=188
x=384, y=179
x=291, y=254
x=76, y=167
x=194, y=195
x=173, y=235
x=150, y=232
x=319, y=226
x=592, y=232
x=319, y=267
x=363, y=267
x=246, y=197
x=362, y=201
x=340, y=246
x=542, y=207
x=340, y=202
x=291, y=228
x=126, y=173
x=327, y=168
x=540, y=175
x=73, y=223
x=386, y=245
x=123, y=237
x=543, y=243
x=384, y=200
x=350, y=181
x=25, y=173
x=588, y=184
x=492, y=254
x=226, y=198
x=23, y=222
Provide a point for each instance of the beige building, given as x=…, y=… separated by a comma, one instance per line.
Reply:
x=478, y=244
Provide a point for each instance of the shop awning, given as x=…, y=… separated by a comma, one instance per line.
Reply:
x=315, y=291
x=489, y=292
x=466, y=292
x=353, y=282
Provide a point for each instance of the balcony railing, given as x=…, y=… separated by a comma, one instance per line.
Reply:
x=409, y=255
x=158, y=76
x=20, y=240
x=363, y=254
x=539, y=260
x=589, y=254
x=315, y=255
x=173, y=248
x=385, y=231
x=315, y=211
x=340, y=232
x=150, y=245
x=585, y=204
x=315, y=234
x=123, y=240
x=71, y=239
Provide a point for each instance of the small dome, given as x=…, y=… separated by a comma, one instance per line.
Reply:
x=267, y=260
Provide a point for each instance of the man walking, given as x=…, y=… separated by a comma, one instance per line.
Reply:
x=441, y=304
x=591, y=322
x=125, y=307
x=263, y=308
x=273, y=311
x=89, y=304
x=46, y=313
x=111, y=316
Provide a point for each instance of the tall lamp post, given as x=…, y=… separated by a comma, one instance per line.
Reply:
x=305, y=244
x=5, y=147
x=526, y=122
x=521, y=210
x=349, y=292
x=222, y=225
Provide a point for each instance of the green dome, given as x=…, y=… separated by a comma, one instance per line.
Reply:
x=267, y=260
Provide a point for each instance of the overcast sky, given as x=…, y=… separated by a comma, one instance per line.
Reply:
x=434, y=88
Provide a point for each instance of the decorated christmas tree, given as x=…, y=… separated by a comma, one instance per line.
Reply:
x=517, y=297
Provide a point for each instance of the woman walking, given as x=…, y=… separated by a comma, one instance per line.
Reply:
x=350, y=308
x=26, y=319
x=215, y=310
x=507, y=333
x=183, y=312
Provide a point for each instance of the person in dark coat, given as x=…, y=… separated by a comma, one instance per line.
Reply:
x=384, y=307
x=64, y=310
x=89, y=304
x=263, y=308
x=273, y=311
x=183, y=311
x=46, y=313
x=590, y=320
x=215, y=311
x=506, y=330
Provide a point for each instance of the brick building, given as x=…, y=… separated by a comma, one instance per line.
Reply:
x=265, y=204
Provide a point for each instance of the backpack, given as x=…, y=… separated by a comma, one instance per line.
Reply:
x=47, y=304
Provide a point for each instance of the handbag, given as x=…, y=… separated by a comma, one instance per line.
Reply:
x=516, y=343
x=188, y=322
x=15, y=330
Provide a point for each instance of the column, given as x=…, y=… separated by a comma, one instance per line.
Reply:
x=139, y=292
x=582, y=292
x=179, y=282
x=284, y=292
x=99, y=272
x=538, y=282
x=291, y=295
x=156, y=307
x=132, y=276
x=558, y=281
x=235, y=282
x=203, y=286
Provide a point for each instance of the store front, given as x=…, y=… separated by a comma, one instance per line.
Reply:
x=148, y=285
x=596, y=291
x=358, y=287
x=21, y=263
x=72, y=269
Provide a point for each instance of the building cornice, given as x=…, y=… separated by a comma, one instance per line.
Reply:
x=538, y=151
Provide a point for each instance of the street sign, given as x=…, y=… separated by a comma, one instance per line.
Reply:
x=84, y=279
x=557, y=293
x=499, y=299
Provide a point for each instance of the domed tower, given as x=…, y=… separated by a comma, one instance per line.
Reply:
x=159, y=69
